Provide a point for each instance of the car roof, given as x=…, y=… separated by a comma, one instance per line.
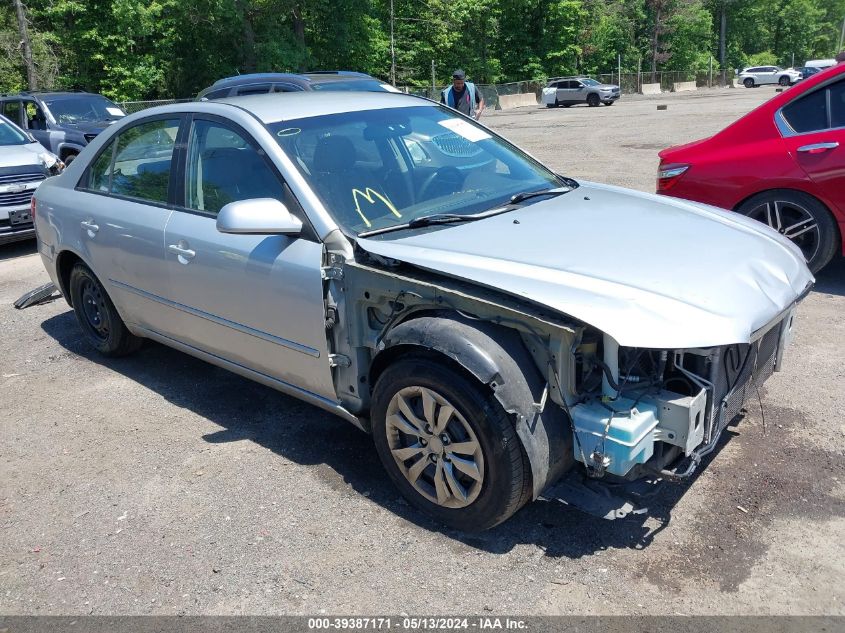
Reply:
x=49, y=95
x=276, y=107
x=317, y=76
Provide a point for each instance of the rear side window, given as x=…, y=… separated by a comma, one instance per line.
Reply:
x=819, y=110
x=254, y=89
x=12, y=111
x=837, y=104
x=137, y=163
x=809, y=113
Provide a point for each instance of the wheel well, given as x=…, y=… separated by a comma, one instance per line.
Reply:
x=65, y=262
x=67, y=152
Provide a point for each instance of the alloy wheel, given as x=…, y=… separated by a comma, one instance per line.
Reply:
x=791, y=220
x=434, y=446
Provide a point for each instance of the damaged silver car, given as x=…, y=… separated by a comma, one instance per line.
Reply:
x=494, y=325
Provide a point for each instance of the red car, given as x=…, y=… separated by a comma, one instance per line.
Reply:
x=782, y=164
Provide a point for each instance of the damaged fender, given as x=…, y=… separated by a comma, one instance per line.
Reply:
x=497, y=357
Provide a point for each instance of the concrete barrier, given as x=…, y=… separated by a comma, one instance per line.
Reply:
x=506, y=102
x=651, y=89
x=684, y=86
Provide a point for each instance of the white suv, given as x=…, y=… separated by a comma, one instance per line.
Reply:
x=759, y=75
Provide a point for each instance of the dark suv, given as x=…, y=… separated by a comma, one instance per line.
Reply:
x=262, y=83
x=63, y=122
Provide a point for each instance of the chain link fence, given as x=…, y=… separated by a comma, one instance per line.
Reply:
x=130, y=107
x=630, y=83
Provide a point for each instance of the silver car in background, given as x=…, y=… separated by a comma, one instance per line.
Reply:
x=24, y=164
x=494, y=325
x=569, y=91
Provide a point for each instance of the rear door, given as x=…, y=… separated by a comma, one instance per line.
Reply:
x=254, y=300
x=818, y=143
x=120, y=209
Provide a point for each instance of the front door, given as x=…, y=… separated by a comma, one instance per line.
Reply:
x=120, y=218
x=254, y=300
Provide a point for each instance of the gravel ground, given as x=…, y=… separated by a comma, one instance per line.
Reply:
x=158, y=484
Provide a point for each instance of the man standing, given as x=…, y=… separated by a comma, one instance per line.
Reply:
x=463, y=96
x=841, y=57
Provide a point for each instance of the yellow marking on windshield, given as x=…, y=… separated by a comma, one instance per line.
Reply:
x=370, y=195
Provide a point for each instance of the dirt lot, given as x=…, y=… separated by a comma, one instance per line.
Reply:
x=159, y=484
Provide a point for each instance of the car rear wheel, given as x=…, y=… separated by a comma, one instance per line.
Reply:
x=748, y=82
x=784, y=81
x=448, y=445
x=97, y=316
x=593, y=100
x=801, y=218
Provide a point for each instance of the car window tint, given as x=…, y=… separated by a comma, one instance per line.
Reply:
x=286, y=88
x=100, y=171
x=809, y=113
x=837, y=104
x=224, y=167
x=142, y=160
x=254, y=89
x=218, y=94
x=12, y=110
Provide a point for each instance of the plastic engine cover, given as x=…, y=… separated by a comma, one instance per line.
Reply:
x=630, y=438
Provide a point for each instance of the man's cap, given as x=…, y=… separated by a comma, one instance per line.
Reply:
x=841, y=57
x=459, y=74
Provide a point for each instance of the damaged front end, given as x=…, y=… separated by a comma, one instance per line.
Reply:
x=658, y=413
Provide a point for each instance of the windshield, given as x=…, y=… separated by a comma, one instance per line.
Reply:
x=10, y=135
x=83, y=108
x=590, y=82
x=361, y=85
x=380, y=168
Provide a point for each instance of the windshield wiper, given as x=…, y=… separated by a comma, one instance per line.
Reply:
x=527, y=195
x=424, y=220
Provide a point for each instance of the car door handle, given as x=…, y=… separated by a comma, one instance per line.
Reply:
x=89, y=226
x=183, y=252
x=818, y=148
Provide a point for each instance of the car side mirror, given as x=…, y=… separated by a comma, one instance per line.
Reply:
x=260, y=216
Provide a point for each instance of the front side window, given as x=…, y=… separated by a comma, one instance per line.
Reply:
x=137, y=163
x=378, y=168
x=254, y=89
x=225, y=166
x=837, y=104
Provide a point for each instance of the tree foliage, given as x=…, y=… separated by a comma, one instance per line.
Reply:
x=145, y=49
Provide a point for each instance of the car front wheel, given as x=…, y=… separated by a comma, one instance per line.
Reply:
x=97, y=316
x=593, y=100
x=784, y=81
x=448, y=445
x=748, y=82
x=801, y=218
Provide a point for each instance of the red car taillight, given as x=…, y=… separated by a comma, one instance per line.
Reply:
x=668, y=175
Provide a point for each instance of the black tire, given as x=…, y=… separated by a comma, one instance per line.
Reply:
x=784, y=81
x=609, y=103
x=593, y=100
x=819, y=246
x=506, y=484
x=566, y=105
x=748, y=82
x=101, y=324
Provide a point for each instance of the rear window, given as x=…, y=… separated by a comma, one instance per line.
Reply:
x=367, y=85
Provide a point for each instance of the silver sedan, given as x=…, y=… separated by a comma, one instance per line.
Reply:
x=494, y=325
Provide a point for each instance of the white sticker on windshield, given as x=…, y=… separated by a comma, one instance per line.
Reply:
x=465, y=129
x=115, y=112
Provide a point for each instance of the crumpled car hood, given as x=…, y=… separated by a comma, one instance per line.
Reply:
x=20, y=155
x=650, y=271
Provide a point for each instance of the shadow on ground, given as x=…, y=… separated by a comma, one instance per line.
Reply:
x=246, y=410
x=831, y=280
x=17, y=249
